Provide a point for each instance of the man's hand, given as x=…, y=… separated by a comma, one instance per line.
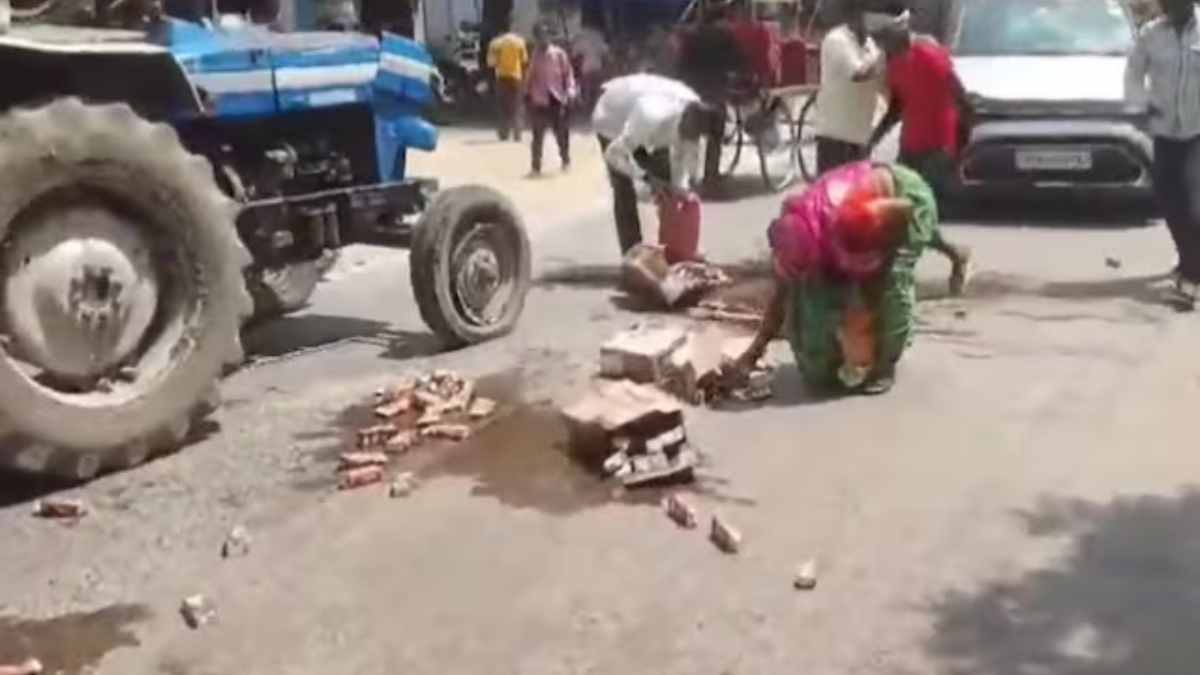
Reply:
x=664, y=190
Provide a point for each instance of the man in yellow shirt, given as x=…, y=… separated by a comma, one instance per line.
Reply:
x=508, y=58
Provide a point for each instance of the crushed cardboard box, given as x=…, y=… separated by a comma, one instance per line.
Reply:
x=632, y=432
x=689, y=365
x=645, y=273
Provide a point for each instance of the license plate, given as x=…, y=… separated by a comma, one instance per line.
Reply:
x=1054, y=160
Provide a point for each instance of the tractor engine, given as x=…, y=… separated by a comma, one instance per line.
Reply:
x=292, y=176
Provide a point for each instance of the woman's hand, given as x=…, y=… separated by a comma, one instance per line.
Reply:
x=736, y=373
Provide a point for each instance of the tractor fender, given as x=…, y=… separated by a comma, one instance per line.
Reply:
x=403, y=88
x=59, y=62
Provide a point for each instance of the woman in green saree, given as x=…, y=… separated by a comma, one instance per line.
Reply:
x=845, y=252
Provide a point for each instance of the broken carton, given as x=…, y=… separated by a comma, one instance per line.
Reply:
x=693, y=367
x=618, y=408
x=643, y=269
x=645, y=273
x=640, y=355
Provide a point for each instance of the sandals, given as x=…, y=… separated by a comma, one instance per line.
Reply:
x=878, y=385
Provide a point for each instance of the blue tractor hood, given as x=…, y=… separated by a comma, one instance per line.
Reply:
x=246, y=70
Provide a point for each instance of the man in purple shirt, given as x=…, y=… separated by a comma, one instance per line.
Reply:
x=549, y=91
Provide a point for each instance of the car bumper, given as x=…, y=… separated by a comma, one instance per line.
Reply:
x=1119, y=157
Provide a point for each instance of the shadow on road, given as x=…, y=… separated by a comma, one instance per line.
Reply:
x=293, y=334
x=71, y=644
x=990, y=285
x=18, y=487
x=1123, y=599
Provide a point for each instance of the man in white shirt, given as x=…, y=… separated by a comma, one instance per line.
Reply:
x=852, y=68
x=649, y=128
x=1167, y=53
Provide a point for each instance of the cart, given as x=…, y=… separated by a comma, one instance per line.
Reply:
x=770, y=106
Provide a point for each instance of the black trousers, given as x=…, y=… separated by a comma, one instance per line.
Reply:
x=625, y=207
x=713, y=147
x=508, y=102
x=938, y=169
x=832, y=153
x=552, y=117
x=1175, y=187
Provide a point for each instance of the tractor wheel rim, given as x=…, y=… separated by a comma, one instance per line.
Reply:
x=86, y=291
x=483, y=268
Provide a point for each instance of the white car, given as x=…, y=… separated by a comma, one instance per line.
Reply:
x=1047, y=77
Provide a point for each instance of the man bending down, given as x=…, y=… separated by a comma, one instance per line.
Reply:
x=649, y=129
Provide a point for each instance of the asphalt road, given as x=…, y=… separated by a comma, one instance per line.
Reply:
x=1021, y=502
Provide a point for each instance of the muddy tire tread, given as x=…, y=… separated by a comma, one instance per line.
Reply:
x=69, y=128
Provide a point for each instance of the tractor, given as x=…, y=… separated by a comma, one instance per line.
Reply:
x=164, y=183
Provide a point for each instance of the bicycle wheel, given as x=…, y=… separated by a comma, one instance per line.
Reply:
x=732, y=140
x=806, y=136
x=775, y=137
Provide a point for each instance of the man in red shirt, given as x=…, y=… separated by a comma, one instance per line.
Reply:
x=929, y=99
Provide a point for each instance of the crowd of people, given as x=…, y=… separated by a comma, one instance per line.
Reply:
x=845, y=247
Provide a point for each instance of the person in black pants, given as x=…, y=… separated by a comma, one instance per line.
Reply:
x=649, y=128
x=657, y=165
x=1165, y=55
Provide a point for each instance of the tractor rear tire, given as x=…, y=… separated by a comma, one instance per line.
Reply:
x=470, y=265
x=122, y=165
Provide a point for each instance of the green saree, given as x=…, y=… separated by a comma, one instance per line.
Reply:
x=815, y=307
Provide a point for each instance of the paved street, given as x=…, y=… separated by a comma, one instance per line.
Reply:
x=1022, y=502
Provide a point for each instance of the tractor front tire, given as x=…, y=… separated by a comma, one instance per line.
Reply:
x=123, y=295
x=470, y=265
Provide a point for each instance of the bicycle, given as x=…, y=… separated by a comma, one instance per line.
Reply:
x=764, y=117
